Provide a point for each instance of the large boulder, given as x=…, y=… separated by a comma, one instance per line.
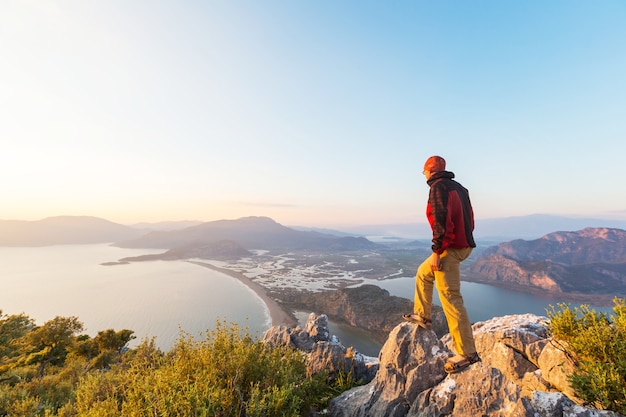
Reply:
x=411, y=361
x=556, y=366
x=481, y=390
x=557, y=404
x=511, y=344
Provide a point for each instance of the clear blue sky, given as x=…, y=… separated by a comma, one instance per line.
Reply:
x=316, y=113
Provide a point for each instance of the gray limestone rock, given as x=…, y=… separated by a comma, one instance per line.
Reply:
x=325, y=352
x=411, y=361
x=480, y=390
x=523, y=373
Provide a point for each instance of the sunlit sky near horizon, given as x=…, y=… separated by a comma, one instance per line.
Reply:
x=313, y=113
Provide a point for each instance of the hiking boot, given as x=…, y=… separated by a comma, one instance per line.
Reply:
x=422, y=322
x=459, y=362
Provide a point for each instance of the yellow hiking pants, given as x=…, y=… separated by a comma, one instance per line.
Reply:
x=448, y=280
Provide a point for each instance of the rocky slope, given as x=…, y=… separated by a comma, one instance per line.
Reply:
x=522, y=373
x=591, y=261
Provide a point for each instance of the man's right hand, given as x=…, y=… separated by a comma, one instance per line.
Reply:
x=435, y=262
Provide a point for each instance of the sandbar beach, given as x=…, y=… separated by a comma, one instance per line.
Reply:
x=278, y=315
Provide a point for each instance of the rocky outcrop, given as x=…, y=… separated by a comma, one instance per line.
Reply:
x=325, y=352
x=410, y=362
x=522, y=373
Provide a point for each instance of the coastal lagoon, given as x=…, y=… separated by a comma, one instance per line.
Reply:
x=154, y=299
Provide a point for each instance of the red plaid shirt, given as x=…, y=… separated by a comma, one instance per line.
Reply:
x=449, y=212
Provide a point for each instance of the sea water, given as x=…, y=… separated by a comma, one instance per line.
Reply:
x=484, y=302
x=157, y=299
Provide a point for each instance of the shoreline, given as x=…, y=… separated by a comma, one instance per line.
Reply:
x=278, y=315
x=597, y=300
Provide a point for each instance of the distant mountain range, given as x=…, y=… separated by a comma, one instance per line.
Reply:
x=173, y=225
x=84, y=229
x=591, y=261
x=63, y=230
x=500, y=229
x=250, y=233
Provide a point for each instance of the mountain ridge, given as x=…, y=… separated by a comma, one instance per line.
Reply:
x=251, y=233
x=63, y=230
x=591, y=261
x=30, y=232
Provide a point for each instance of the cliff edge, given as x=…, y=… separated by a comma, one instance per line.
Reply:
x=522, y=373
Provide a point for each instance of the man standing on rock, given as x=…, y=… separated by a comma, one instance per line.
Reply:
x=451, y=219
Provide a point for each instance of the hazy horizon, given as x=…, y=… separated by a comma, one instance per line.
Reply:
x=417, y=220
x=494, y=229
x=315, y=223
x=310, y=113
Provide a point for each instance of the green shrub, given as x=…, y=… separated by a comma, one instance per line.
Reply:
x=226, y=374
x=597, y=344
